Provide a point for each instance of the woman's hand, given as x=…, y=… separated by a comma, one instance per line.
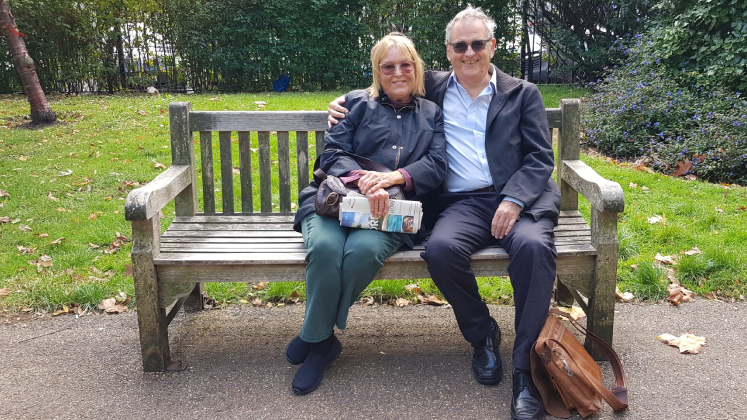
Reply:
x=373, y=181
x=379, y=202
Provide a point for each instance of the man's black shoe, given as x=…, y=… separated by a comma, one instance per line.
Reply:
x=486, y=360
x=527, y=402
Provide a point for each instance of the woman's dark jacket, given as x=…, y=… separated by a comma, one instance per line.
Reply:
x=411, y=138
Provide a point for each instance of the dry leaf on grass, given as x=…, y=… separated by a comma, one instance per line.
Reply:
x=141, y=112
x=4, y=194
x=257, y=301
x=657, y=219
x=261, y=285
x=633, y=185
x=666, y=259
x=412, y=287
x=111, y=306
x=400, y=302
x=57, y=241
x=431, y=300
x=260, y=104
x=53, y=198
x=574, y=312
x=25, y=250
x=4, y=292
x=693, y=251
x=5, y=219
x=718, y=209
x=25, y=228
x=678, y=294
x=158, y=165
x=687, y=343
x=41, y=262
x=623, y=297
x=682, y=167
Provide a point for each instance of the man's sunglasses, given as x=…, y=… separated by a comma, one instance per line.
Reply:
x=477, y=45
x=390, y=69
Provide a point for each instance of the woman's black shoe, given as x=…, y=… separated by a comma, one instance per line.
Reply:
x=297, y=351
x=311, y=372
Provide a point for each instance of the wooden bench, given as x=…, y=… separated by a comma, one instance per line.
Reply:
x=243, y=245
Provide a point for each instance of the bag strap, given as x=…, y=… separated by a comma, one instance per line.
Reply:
x=363, y=161
x=617, y=398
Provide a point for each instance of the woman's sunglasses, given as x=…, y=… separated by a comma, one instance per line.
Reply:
x=477, y=45
x=390, y=69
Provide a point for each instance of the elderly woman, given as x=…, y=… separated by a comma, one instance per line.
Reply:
x=388, y=123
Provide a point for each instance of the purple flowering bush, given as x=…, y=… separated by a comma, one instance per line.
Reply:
x=645, y=109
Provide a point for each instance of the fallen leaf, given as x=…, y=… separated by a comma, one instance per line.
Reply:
x=261, y=285
x=270, y=305
x=682, y=167
x=4, y=292
x=367, y=301
x=244, y=301
x=400, y=302
x=254, y=150
x=158, y=165
x=260, y=104
x=4, y=194
x=694, y=250
x=110, y=306
x=257, y=301
x=431, y=300
x=94, y=246
x=23, y=158
x=294, y=294
x=25, y=250
x=672, y=276
x=61, y=209
x=668, y=259
x=25, y=228
x=574, y=312
x=657, y=219
x=93, y=216
x=412, y=287
x=141, y=112
x=633, y=185
x=623, y=297
x=718, y=209
x=49, y=196
x=43, y=235
x=678, y=295
x=217, y=98
x=5, y=219
x=742, y=208
x=57, y=241
x=644, y=188
x=690, y=177
x=687, y=343
x=66, y=173
x=60, y=312
x=121, y=297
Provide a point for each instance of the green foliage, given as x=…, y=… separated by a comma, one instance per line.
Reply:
x=645, y=109
x=707, y=39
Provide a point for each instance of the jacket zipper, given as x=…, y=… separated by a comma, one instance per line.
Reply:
x=396, y=163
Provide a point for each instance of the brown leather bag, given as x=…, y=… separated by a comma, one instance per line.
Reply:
x=332, y=189
x=566, y=375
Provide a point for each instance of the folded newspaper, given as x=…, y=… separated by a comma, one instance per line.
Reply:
x=404, y=216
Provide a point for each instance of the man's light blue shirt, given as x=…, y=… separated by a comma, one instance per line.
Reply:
x=465, y=123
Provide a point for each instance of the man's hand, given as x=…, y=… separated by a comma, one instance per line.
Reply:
x=379, y=203
x=504, y=219
x=336, y=110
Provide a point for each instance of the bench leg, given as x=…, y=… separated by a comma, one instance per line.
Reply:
x=601, y=315
x=196, y=299
x=151, y=318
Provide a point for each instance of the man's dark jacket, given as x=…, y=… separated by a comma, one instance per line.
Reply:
x=517, y=142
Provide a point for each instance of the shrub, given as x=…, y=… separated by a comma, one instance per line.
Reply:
x=643, y=109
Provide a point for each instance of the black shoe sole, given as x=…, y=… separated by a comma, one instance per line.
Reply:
x=313, y=388
x=490, y=381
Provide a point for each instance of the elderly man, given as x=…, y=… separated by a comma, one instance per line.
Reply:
x=498, y=189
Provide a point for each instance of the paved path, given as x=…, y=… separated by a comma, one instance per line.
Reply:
x=397, y=363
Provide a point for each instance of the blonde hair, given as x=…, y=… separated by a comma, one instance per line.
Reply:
x=405, y=46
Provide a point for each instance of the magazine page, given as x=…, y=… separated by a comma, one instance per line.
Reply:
x=403, y=216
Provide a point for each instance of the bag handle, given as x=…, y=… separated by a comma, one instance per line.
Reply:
x=363, y=161
x=617, y=398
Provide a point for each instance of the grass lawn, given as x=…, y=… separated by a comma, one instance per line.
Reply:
x=64, y=240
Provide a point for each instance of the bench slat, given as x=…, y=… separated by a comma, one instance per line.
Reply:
x=231, y=227
x=208, y=186
x=284, y=181
x=319, y=141
x=234, y=234
x=245, y=171
x=265, y=172
x=257, y=120
x=302, y=159
x=226, y=171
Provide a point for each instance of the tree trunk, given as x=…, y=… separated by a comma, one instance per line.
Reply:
x=40, y=110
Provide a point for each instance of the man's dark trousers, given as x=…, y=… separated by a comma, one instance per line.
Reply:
x=464, y=227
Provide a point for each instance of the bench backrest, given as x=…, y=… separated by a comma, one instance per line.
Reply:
x=282, y=139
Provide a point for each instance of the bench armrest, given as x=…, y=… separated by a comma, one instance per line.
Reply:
x=146, y=201
x=603, y=194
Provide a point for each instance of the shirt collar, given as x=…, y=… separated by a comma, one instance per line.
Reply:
x=493, y=80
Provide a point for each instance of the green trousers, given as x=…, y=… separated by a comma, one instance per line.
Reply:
x=341, y=263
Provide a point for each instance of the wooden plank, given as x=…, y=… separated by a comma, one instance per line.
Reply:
x=554, y=118
x=603, y=194
x=265, y=172
x=238, y=219
x=234, y=234
x=245, y=169
x=183, y=153
x=145, y=202
x=258, y=120
x=568, y=148
x=214, y=227
x=319, y=143
x=230, y=246
x=302, y=159
x=208, y=182
x=226, y=172
x=257, y=240
x=284, y=183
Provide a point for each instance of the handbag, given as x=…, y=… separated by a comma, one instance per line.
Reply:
x=332, y=189
x=566, y=375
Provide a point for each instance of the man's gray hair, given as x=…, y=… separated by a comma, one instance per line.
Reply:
x=471, y=13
